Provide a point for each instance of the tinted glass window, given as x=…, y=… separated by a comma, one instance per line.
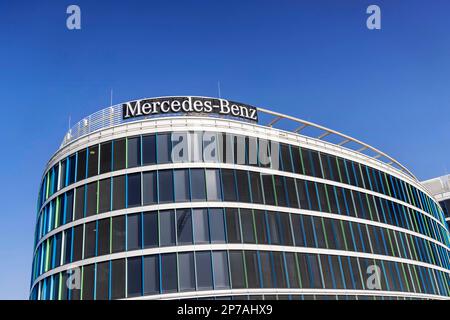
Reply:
x=251, y=262
x=220, y=263
x=167, y=227
x=256, y=188
x=229, y=189
x=118, y=234
x=150, y=229
x=181, y=185
x=164, y=148
x=119, y=158
x=118, y=192
x=217, y=225
x=81, y=165
x=165, y=181
x=105, y=157
x=247, y=226
x=204, y=272
x=93, y=161
x=201, y=230
x=118, y=279
x=148, y=149
x=103, y=237
x=88, y=282
x=104, y=203
x=269, y=195
x=79, y=203
x=187, y=276
x=134, y=190
x=102, y=284
x=72, y=166
x=184, y=226
x=134, y=279
x=243, y=189
x=237, y=270
x=77, y=243
x=134, y=231
x=233, y=225
x=149, y=188
x=151, y=274
x=169, y=272
x=91, y=202
x=90, y=233
x=213, y=185
x=198, y=185
x=134, y=152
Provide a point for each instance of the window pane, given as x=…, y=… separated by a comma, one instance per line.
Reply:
x=150, y=190
x=134, y=190
x=62, y=181
x=233, y=225
x=79, y=203
x=181, y=185
x=151, y=275
x=93, y=161
x=187, y=275
x=216, y=225
x=204, y=272
x=118, y=279
x=68, y=246
x=184, y=226
x=213, y=185
x=243, y=190
x=221, y=277
x=165, y=180
x=81, y=165
x=167, y=227
x=269, y=195
x=118, y=234
x=134, y=152
x=134, y=279
x=72, y=166
x=88, y=282
x=119, y=148
x=150, y=229
x=261, y=229
x=102, y=289
x=251, y=262
x=237, y=270
x=105, y=157
x=89, y=239
x=248, y=232
x=104, y=203
x=169, y=272
x=103, y=237
x=164, y=148
x=201, y=230
x=148, y=150
x=256, y=188
x=91, y=203
x=118, y=192
x=229, y=189
x=198, y=185
x=134, y=231
x=77, y=243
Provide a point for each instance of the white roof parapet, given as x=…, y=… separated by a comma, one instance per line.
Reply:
x=438, y=186
x=112, y=116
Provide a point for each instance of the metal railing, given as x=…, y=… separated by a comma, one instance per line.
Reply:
x=112, y=116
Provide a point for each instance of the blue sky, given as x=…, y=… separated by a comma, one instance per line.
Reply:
x=312, y=59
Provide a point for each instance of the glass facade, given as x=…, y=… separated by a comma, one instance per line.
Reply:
x=229, y=220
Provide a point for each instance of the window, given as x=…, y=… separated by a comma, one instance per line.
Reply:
x=148, y=149
x=103, y=237
x=134, y=190
x=88, y=282
x=102, y=285
x=229, y=190
x=151, y=274
x=119, y=157
x=243, y=190
x=62, y=181
x=134, y=279
x=286, y=157
x=291, y=268
x=105, y=157
x=181, y=185
x=118, y=234
x=69, y=206
x=91, y=203
x=256, y=188
x=275, y=237
x=278, y=270
x=260, y=224
x=198, y=185
x=213, y=185
x=251, y=262
x=68, y=246
x=72, y=166
x=79, y=202
x=81, y=165
x=77, y=243
x=220, y=263
x=204, y=272
x=150, y=229
x=216, y=225
x=201, y=230
x=134, y=152
x=118, y=279
x=291, y=192
x=134, y=231
x=90, y=234
x=167, y=227
x=237, y=270
x=280, y=191
x=269, y=196
x=104, y=201
x=165, y=180
x=164, y=148
x=233, y=225
x=93, y=161
x=169, y=272
x=247, y=226
x=184, y=226
x=187, y=274
x=118, y=192
x=150, y=190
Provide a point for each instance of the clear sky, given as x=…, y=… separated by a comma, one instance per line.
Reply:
x=312, y=59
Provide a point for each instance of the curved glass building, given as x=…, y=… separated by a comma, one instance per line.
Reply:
x=196, y=197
